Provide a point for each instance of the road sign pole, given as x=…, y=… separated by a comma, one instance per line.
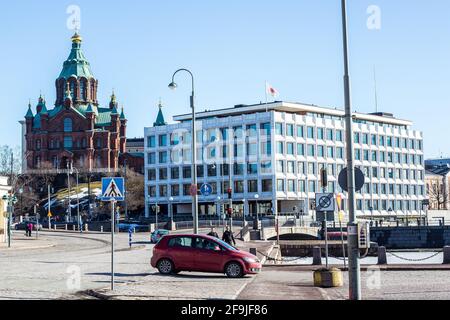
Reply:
x=112, y=243
x=353, y=261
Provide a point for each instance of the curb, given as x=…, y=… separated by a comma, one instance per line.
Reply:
x=28, y=248
x=366, y=267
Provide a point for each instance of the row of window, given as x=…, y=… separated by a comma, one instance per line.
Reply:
x=176, y=190
x=312, y=150
x=183, y=136
x=210, y=153
x=298, y=131
x=68, y=143
x=222, y=170
x=313, y=168
x=300, y=186
x=56, y=162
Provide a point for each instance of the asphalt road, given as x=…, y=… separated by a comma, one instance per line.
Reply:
x=78, y=263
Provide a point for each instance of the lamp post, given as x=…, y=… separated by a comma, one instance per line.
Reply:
x=194, y=187
x=257, y=216
x=69, y=210
x=354, y=271
x=21, y=201
x=11, y=200
x=171, y=211
x=80, y=226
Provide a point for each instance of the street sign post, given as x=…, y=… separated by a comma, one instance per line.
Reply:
x=206, y=190
x=113, y=190
x=359, y=179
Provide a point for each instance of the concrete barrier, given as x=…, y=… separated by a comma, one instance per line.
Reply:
x=382, y=258
x=447, y=255
x=317, y=256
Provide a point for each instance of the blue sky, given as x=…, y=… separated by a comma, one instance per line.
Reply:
x=232, y=47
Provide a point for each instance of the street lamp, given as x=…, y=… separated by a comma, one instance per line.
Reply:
x=78, y=201
x=171, y=199
x=256, y=199
x=194, y=191
x=12, y=200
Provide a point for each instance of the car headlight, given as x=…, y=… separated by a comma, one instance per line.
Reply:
x=250, y=260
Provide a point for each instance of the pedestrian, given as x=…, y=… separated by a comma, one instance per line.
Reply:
x=29, y=229
x=228, y=237
x=213, y=233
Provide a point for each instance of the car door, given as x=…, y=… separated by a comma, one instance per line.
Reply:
x=182, y=253
x=206, y=258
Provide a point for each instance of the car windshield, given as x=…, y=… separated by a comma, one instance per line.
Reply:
x=226, y=245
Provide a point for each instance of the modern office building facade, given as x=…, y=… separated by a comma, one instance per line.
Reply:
x=276, y=152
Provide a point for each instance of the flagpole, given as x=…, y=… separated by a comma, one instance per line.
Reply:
x=267, y=101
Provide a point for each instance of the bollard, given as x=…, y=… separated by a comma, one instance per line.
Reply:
x=382, y=259
x=65, y=227
x=86, y=227
x=73, y=228
x=101, y=229
x=54, y=227
x=253, y=251
x=447, y=255
x=317, y=256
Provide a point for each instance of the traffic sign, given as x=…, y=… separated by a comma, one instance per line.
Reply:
x=193, y=190
x=359, y=179
x=206, y=190
x=325, y=202
x=49, y=215
x=113, y=189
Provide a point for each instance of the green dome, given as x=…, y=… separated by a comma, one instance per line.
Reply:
x=76, y=64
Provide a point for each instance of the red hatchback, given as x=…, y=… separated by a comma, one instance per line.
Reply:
x=176, y=253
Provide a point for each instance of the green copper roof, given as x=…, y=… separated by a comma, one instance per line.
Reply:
x=76, y=64
x=90, y=109
x=160, y=118
x=114, y=111
x=37, y=122
x=29, y=114
x=103, y=117
x=42, y=105
x=122, y=115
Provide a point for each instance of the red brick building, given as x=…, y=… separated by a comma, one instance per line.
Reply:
x=77, y=130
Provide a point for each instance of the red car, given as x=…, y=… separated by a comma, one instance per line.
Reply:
x=176, y=253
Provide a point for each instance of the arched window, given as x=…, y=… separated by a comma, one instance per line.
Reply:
x=68, y=125
x=83, y=90
x=38, y=144
x=73, y=89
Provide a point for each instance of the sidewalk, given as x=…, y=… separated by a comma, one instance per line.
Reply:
x=21, y=242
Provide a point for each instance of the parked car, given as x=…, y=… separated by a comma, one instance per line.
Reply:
x=23, y=225
x=157, y=235
x=176, y=253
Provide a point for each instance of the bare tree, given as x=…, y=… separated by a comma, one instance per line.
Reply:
x=135, y=190
x=438, y=195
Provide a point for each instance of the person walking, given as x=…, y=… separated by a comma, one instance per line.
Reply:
x=29, y=229
x=228, y=237
x=213, y=233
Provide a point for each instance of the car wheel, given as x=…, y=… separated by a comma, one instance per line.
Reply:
x=234, y=270
x=165, y=266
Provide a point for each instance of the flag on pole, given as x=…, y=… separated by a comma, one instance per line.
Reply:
x=271, y=90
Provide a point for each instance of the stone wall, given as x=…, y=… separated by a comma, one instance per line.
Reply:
x=411, y=237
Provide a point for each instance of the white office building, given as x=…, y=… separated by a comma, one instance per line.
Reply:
x=277, y=151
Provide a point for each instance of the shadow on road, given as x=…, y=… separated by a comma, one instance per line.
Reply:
x=119, y=274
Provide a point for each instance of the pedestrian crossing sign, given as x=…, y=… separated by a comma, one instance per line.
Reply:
x=113, y=189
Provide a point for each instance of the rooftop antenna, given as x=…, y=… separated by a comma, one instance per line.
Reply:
x=375, y=88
